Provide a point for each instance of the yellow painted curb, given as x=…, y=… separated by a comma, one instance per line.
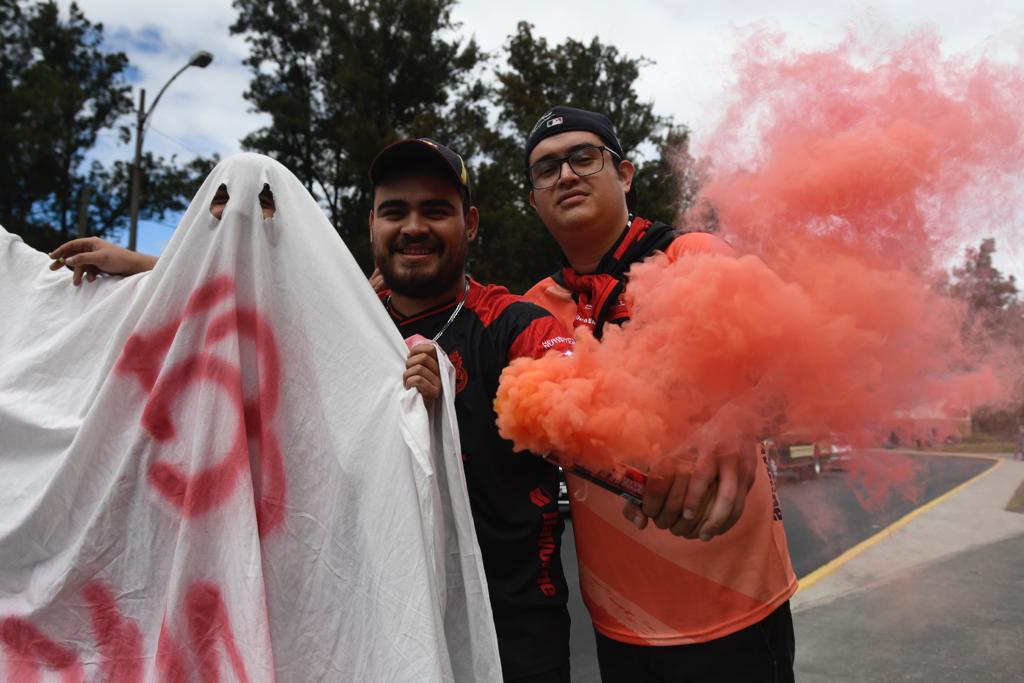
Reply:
x=957, y=454
x=831, y=566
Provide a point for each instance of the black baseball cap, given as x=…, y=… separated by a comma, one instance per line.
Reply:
x=562, y=119
x=413, y=152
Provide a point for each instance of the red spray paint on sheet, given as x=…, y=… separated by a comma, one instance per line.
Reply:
x=844, y=176
x=197, y=493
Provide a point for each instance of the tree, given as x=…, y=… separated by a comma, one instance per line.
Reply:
x=993, y=326
x=166, y=186
x=514, y=246
x=341, y=79
x=994, y=311
x=673, y=180
x=58, y=90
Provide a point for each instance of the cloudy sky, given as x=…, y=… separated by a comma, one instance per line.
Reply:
x=691, y=44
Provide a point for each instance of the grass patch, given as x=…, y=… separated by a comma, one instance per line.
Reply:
x=976, y=447
x=979, y=442
x=1016, y=503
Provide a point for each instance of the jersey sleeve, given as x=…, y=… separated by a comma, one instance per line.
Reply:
x=529, y=331
x=540, y=336
x=698, y=243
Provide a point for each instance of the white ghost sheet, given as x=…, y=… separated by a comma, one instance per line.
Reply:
x=212, y=471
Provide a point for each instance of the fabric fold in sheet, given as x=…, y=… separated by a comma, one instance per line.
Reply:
x=213, y=472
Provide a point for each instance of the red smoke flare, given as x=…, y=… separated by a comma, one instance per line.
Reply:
x=845, y=176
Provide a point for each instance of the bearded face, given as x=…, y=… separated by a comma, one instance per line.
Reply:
x=420, y=235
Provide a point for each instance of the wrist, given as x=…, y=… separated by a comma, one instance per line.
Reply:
x=143, y=263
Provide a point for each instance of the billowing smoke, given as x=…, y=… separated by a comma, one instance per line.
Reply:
x=845, y=178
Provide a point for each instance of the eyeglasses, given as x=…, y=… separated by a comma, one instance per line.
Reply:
x=584, y=160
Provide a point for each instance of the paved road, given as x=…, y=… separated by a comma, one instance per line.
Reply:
x=823, y=518
x=581, y=640
x=960, y=620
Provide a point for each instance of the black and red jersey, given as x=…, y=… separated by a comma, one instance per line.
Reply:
x=513, y=496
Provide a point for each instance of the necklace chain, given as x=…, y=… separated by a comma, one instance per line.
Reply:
x=451, y=318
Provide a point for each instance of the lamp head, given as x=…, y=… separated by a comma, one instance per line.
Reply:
x=201, y=59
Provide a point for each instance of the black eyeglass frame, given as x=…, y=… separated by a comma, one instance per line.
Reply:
x=561, y=162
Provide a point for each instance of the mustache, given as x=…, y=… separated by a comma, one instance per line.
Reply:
x=404, y=242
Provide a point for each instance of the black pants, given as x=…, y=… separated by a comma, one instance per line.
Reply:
x=762, y=653
x=559, y=674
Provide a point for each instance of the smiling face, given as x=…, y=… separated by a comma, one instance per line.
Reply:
x=589, y=207
x=421, y=234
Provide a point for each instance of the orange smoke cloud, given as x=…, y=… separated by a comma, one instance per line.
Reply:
x=845, y=176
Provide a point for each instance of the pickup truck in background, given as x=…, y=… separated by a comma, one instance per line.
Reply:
x=804, y=455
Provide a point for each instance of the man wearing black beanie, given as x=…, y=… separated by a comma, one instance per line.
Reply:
x=664, y=608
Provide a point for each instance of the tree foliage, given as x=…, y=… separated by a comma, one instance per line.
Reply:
x=166, y=186
x=340, y=79
x=994, y=326
x=534, y=76
x=59, y=89
x=995, y=312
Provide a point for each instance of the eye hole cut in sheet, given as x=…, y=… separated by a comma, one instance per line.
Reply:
x=221, y=197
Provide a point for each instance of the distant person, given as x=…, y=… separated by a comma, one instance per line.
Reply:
x=664, y=608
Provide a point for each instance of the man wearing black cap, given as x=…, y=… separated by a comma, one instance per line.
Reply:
x=421, y=225
x=664, y=609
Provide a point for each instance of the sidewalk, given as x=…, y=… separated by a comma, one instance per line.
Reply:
x=937, y=598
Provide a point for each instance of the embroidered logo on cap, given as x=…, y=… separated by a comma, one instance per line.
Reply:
x=541, y=121
x=557, y=121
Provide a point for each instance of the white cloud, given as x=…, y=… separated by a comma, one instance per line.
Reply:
x=693, y=42
x=204, y=110
x=690, y=42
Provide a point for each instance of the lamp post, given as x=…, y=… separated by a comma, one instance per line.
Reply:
x=200, y=59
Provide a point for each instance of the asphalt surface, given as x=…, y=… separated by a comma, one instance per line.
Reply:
x=823, y=518
x=583, y=651
x=853, y=500
x=958, y=620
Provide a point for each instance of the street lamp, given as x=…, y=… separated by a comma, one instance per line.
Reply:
x=200, y=59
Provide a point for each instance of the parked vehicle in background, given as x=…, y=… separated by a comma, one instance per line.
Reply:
x=803, y=454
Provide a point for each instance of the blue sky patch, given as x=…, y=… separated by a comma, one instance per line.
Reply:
x=148, y=39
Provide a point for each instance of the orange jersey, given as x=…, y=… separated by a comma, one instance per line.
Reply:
x=652, y=588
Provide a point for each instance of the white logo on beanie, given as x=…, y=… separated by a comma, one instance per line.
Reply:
x=541, y=121
x=557, y=121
